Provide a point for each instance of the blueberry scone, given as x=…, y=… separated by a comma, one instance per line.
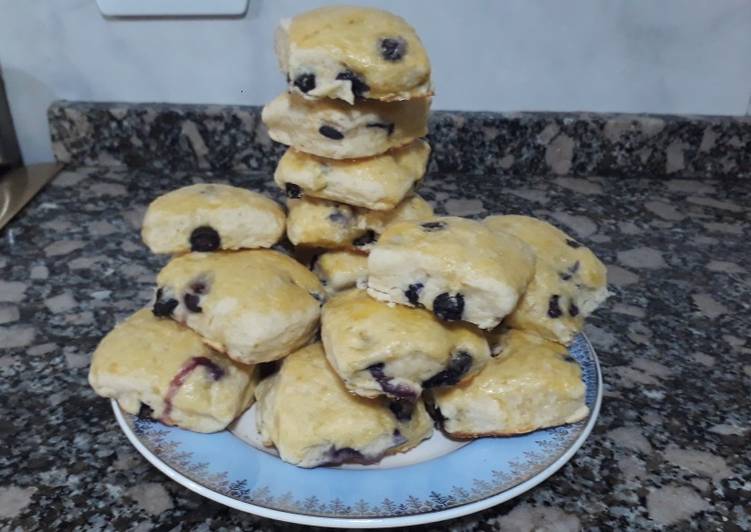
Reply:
x=341, y=269
x=255, y=305
x=458, y=268
x=157, y=368
x=394, y=350
x=327, y=224
x=569, y=282
x=337, y=130
x=530, y=385
x=377, y=183
x=305, y=411
x=209, y=217
x=352, y=52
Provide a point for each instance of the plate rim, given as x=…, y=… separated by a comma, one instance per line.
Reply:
x=378, y=522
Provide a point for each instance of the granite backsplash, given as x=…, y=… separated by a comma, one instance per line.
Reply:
x=223, y=138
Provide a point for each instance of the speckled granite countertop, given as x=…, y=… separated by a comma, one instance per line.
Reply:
x=670, y=448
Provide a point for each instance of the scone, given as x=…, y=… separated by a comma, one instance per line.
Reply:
x=569, y=282
x=326, y=224
x=307, y=413
x=341, y=269
x=393, y=350
x=209, y=217
x=377, y=183
x=530, y=385
x=157, y=368
x=458, y=268
x=255, y=305
x=337, y=130
x=352, y=52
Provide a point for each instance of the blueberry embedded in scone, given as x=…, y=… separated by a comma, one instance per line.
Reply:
x=306, y=412
x=212, y=217
x=159, y=369
x=352, y=53
x=394, y=350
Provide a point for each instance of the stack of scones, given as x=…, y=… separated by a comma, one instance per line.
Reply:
x=399, y=316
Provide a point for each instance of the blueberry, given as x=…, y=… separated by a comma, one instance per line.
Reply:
x=306, y=82
x=293, y=191
x=399, y=391
x=573, y=243
x=569, y=358
x=163, y=307
x=145, y=412
x=266, y=369
x=402, y=410
x=457, y=367
x=448, y=307
x=573, y=310
x=318, y=297
x=393, y=48
x=412, y=293
x=214, y=370
x=345, y=454
x=388, y=127
x=198, y=287
x=377, y=371
x=435, y=412
x=331, y=133
x=433, y=226
x=339, y=217
x=192, y=302
x=399, y=438
x=359, y=87
x=368, y=238
x=314, y=260
x=568, y=274
x=554, y=307
x=204, y=238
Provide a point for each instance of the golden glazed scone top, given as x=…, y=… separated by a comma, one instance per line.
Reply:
x=462, y=248
x=529, y=385
x=379, y=182
x=553, y=246
x=307, y=413
x=327, y=224
x=412, y=345
x=255, y=305
x=337, y=130
x=234, y=218
x=143, y=357
x=335, y=44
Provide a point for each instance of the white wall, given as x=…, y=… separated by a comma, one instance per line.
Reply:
x=667, y=56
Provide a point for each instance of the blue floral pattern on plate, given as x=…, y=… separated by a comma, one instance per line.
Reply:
x=478, y=475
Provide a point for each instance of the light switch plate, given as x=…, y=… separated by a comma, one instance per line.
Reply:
x=172, y=8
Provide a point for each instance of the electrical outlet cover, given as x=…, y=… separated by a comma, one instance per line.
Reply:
x=172, y=8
